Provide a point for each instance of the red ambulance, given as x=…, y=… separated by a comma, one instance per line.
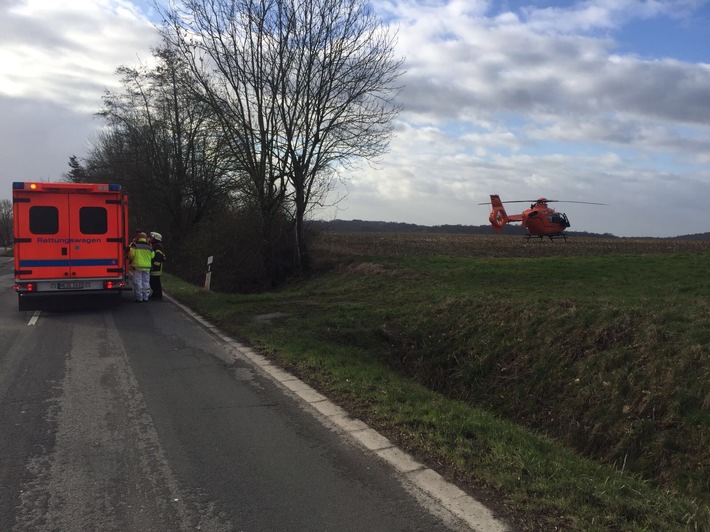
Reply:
x=69, y=241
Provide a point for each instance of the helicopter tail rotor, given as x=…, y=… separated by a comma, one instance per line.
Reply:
x=498, y=216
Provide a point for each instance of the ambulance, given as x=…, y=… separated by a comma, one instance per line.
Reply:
x=70, y=241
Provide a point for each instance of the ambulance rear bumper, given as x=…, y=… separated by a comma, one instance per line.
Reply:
x=59, y=295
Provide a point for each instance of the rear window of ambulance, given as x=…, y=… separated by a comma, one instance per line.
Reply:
x=44, y=220
x=93, y=220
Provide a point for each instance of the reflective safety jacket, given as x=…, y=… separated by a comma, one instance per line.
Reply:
x=141, y=255
x=156, y=267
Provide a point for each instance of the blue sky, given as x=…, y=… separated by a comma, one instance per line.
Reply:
x=604, y=101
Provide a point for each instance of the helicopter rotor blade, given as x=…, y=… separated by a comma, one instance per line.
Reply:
x=511, y=201
x=546, y=201
x=572, y=201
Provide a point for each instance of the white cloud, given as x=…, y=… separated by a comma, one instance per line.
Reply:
x=66, y=52
x=595, y=15
x=541, y=102
x=57, y=58
x=527, y=102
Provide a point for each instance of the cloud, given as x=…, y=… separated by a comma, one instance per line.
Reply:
x=57, y=58
x=596, y=15
x=541, y=101
x=67, y=51
x=490, y=67
x=551, y=99
x=41, y=137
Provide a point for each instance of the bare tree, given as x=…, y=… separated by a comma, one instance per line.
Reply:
x=5, y=223
x=300, y=88
x=163, y=145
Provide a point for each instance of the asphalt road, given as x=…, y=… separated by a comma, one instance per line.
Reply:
x=136, y=417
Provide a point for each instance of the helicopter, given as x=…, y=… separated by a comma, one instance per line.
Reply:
x=539, y=220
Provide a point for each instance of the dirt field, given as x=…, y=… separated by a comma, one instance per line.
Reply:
x=342, y=245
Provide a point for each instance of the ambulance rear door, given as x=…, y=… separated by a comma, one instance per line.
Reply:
x=41, y=235
x=95, y=227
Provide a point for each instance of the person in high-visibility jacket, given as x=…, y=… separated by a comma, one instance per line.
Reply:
x=156, y=269
x=141, y=256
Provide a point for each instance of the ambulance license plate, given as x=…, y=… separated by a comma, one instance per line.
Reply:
x=72, y=285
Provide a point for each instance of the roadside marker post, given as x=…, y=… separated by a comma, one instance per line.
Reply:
x=208, y=276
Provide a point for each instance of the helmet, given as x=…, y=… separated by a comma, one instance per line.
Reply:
x=156, y=236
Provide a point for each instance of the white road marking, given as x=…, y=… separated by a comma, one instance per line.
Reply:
x=34, y=318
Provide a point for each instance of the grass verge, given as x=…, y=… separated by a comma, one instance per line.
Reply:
x=572, y=391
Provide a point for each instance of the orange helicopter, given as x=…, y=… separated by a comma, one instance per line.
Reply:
x=539, y=220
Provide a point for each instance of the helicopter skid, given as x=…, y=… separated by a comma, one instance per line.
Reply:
x=552, y=236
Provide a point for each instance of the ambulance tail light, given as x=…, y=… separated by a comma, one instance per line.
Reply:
x=110, y=285
x=25, y=287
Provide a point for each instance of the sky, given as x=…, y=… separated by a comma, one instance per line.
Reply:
x=603, y=101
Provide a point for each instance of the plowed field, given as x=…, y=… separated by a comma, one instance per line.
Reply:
x=342, y=245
